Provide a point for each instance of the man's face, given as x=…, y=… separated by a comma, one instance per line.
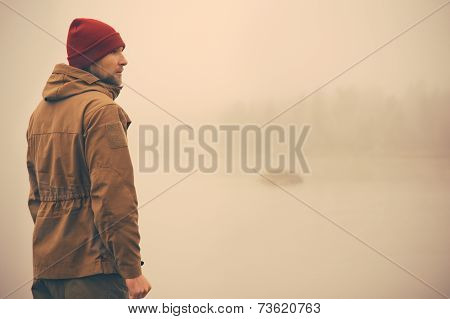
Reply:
x=109, y=68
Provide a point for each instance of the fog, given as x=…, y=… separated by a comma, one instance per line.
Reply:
x=370, y=219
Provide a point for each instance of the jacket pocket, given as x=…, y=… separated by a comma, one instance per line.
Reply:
x=116, y=135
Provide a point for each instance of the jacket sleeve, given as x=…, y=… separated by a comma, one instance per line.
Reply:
x=33, y=196
x=113, y=195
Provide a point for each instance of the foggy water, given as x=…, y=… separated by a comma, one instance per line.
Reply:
x=243, y=234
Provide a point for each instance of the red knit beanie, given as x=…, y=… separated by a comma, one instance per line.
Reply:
x=90, y=40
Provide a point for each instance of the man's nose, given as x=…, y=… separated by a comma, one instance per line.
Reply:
x=123, y=61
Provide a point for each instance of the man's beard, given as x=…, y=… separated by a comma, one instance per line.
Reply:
x=112, y=80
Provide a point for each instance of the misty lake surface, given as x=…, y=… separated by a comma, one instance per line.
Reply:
x=355, y=227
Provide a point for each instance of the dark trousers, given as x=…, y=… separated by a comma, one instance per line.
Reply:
x=100, y=286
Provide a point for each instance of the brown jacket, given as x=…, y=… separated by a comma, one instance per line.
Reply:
x=82, y=197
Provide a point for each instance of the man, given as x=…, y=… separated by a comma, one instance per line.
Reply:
x=82, y=196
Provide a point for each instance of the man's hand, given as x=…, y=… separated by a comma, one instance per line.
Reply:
x=138, y=287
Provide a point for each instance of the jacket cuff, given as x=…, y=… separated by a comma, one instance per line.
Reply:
x=128, y=272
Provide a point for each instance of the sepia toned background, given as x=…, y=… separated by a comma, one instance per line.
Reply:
x=371, y=220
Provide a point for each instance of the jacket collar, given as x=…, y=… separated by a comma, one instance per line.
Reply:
x=62, y=68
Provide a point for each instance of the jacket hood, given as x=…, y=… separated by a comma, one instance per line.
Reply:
x=66, y=81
